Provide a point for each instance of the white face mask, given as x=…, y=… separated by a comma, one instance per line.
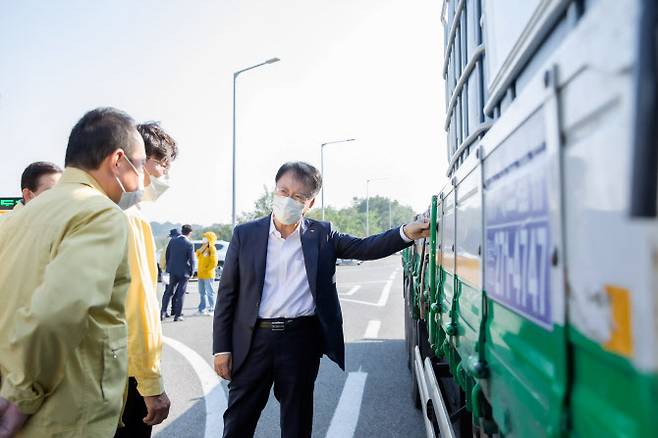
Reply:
x=287, y=210
x=156, y=189
x=129, y=199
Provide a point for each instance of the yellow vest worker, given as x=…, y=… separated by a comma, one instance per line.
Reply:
x=147, y=403
x=63, y=336
x=142, y=308
x=207, y=257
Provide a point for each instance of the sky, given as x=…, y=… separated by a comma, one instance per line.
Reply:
x=366, y=69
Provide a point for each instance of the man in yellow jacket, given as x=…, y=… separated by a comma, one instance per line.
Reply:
x=207, y=257
x=147, y=403
x=64, y=277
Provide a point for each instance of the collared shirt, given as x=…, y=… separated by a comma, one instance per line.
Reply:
x=286, y=291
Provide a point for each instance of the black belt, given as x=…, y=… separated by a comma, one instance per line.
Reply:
x=282, y=324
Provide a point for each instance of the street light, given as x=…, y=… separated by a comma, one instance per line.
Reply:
x=368, y=205
x=235, y=77
x=322, y=165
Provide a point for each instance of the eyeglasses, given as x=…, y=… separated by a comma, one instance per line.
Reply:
x=299, y=197
x=137, y=165
x=164, y=163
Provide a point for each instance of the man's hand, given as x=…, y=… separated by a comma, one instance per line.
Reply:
x=417, y=230
x=223, y=365
x=157, y=408
x=11, y=419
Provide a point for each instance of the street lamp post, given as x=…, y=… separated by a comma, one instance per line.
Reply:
x=322, y=165
x=235, y=77
x=390, y=215
x=368, y=205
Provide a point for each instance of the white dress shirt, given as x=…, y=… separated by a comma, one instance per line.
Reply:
x=286, y=291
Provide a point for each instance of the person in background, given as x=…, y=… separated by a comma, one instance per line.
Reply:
x=162, y=263
x=147, y=403
x=64, y=277
x=207, y=259
x=36, y=179
x=181, y=264
x=173, y=233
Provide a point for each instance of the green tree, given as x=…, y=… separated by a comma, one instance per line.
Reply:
x=262, y=206
x=379, y=209
x=352, y=219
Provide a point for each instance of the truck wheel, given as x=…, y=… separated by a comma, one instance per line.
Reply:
x=407, y=330
x=415, y=393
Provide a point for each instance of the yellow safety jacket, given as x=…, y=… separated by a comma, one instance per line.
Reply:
x=207, y=257
x=63, y=335
x=142, y=308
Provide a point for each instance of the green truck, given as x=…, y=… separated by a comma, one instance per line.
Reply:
x=532, y=309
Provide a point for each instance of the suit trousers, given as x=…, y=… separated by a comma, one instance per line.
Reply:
x=175, y=291
x=287, y=359
x=133, y=413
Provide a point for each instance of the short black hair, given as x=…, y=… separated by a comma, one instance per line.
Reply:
x=96, y=135
x=157, y=142
x=32, y=173
x=308, y=174
x=186, y=229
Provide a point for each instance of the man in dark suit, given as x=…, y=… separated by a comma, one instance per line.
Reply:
x=181, y=264
x=278, y=310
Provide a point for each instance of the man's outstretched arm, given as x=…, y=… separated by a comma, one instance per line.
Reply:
x=380, y=245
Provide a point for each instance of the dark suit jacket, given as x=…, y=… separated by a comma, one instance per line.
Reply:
x=180, y=257
x=241, y=285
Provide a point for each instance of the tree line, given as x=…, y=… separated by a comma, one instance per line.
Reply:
x=384, y=214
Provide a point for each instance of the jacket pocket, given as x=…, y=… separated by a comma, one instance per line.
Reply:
x=115, y=364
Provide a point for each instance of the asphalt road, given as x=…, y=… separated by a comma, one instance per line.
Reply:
x=370, y=399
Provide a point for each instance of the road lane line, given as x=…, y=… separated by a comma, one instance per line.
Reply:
x=372, y=331
x=346, y=416
x=352, y=283
x=211, y=385
x=383, y=298
x=366, y=303
x=386, y=292
x=351, y=292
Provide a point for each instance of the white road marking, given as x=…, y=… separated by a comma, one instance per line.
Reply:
x=352, y=283
x=211, y=385
x=372, y=331
x=386, y=292
x=383, y=298
x=365, y=303
x=351, y=292
x=346, y=417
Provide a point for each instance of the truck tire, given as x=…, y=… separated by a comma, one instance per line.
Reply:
x=407, y=326
x=415, y=393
